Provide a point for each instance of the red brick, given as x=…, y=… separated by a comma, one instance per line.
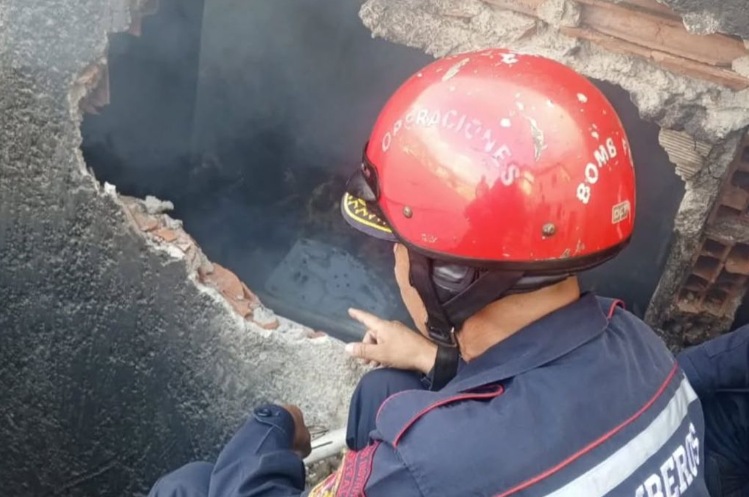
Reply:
x=225, y=282
x=696, y=284
x=145, y=222
x=242, y=307
x=250, y=296
x=735, y=198
x=707, y=268
x=166, y=234
x=714, y=248
x=184, y=242
x=738, y=260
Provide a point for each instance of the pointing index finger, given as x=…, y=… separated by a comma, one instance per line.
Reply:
x=369, y=320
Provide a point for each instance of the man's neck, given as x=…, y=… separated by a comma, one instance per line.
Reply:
x=503, y=318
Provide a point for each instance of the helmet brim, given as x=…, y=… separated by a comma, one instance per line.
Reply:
x=361, y=216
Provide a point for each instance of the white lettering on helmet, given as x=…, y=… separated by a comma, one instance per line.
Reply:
x=397, y=126
x=421, y=117
x=387, y=140
x=447, y=119
x=602, y=156
x=473, y=129
x=488, y=140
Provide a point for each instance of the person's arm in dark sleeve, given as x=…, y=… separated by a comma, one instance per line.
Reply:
x=721, y=364
x=259, y=460
x=376, y=471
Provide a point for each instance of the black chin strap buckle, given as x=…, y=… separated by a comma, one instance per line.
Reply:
x=442, y=336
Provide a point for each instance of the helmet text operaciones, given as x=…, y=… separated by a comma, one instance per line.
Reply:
x=473, y=129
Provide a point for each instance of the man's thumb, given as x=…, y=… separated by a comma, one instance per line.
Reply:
x=360, y=350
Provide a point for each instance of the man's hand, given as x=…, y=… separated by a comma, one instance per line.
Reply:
x=392, y=344
x=302, y=439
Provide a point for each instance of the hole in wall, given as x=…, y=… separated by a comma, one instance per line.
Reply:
x=248, y=117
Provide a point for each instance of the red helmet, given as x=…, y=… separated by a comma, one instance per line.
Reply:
x=498, y=160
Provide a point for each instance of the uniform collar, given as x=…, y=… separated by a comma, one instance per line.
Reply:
x=539, y=343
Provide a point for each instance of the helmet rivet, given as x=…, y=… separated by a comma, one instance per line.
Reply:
x=549, y=229
x=407, y=212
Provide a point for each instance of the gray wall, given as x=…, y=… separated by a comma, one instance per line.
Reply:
x=114, y=367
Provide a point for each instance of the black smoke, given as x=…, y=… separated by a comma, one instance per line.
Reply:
x=248, y=116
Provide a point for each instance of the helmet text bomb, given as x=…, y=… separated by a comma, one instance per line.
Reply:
x=504, y=160
x=601, y=157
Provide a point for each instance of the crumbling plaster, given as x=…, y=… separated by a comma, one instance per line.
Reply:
x=714, y=117
x=713, y=16
x=116, y=362
x=691, y=220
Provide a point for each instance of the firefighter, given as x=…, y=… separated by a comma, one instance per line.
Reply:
x=499, y=177
x=719, y=372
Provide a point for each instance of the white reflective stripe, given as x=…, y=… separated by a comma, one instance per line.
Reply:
x=620, y=465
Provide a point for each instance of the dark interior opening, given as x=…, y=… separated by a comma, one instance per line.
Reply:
x=248, y=116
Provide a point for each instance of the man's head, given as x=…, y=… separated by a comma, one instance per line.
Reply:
x=501, y=174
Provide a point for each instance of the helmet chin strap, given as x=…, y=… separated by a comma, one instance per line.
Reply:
x=445, y=317
x=450, y=299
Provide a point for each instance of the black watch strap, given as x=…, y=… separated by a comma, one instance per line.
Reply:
x=445, y=366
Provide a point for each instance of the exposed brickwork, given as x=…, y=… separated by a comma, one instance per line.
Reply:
x=150, y=218
x=719, y=275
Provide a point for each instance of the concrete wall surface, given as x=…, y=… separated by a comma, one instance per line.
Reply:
x=116, y=365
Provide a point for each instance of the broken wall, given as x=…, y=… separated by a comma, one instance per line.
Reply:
x=124, y=353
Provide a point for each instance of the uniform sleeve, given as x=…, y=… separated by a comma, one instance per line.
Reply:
x=258, y=461
x=376, y=471
x=720, y=364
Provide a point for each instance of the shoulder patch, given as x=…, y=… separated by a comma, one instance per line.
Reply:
x=355, y=472
x=352, y=475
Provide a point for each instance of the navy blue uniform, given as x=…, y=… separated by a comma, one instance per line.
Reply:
x=585, y=402
x=719, y=372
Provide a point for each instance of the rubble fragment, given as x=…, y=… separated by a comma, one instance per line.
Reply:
x=150, y=217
